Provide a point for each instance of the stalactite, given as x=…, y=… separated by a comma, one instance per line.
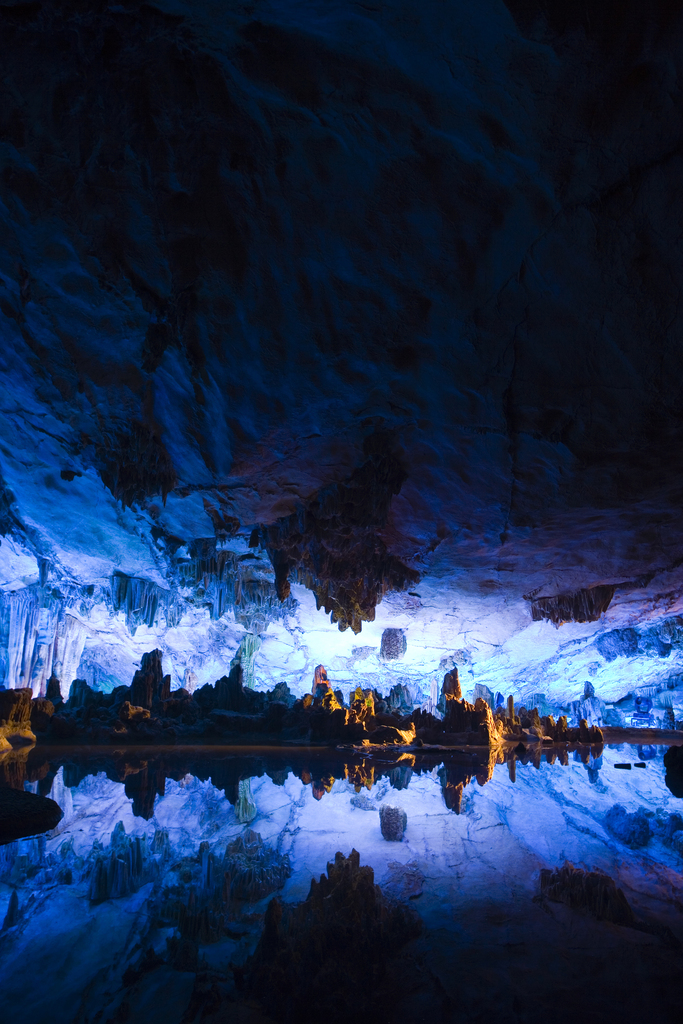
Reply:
x=223, y=583
x=142, y=601
x=29, y=629
x=580, y=606
x=68, y=649
x=22, y=628
x=39, y=638
x=4, y=642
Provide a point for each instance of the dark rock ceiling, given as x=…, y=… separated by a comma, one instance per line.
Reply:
x=392, y=290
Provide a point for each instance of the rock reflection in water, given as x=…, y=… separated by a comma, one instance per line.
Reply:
x=149, y=898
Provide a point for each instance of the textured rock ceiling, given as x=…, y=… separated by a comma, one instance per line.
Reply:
x=366, y=299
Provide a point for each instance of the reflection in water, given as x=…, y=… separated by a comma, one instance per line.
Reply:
x=149, y=898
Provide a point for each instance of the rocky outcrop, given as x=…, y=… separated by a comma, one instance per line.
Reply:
x=592, y=891
x=255, y=870
x=632, y=829
x=15, y=717
x=120, y=868
x=399, y=700
x=26, y=814
x=129, y=713
x=673, y=762
x=147, y=712
x=591, y=709
x=332, y=544
x=451, y=688
x=393, y=822
x=529, y=726
x=580, y=606
x=393, y=644
x=323, y=959
x=42, y=711
x=462, y=722
x=53, y=691
x=208, y=888
x=149, y=682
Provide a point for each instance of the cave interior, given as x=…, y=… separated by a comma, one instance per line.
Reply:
x=341, y=544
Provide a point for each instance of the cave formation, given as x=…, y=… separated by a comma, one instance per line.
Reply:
x=337, y=334
x=291, y=324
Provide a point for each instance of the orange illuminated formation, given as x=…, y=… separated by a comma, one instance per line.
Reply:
x=320, y=681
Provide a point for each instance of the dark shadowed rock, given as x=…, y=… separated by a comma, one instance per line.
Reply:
x=632, y=829
x=147, y=682
x=582, y=606
x=81, y=695
x=12, y=915
x=322, y=959
x=393, y=645
x=53, y=690
x=393, y=822
x=42, y=711
x=26, y=814
x=587, y=890
x=618, y=643
x=673, y=762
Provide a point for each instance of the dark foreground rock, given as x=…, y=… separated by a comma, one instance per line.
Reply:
x=673, y=762
x=323, y=959
x=597, y=894
x=592, y=891
x=26, y=814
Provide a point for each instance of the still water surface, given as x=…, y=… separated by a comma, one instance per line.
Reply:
x=174, y=855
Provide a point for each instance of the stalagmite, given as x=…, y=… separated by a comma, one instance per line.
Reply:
x=245, y=808
x=149, y=683
x=245, y=655
x=393, y=822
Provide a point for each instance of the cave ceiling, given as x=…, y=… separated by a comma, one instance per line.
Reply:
x=370, y=308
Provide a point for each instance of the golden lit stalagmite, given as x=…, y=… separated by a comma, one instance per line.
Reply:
x=321, y=683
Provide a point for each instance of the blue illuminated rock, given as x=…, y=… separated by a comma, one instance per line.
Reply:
x=358, y=339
